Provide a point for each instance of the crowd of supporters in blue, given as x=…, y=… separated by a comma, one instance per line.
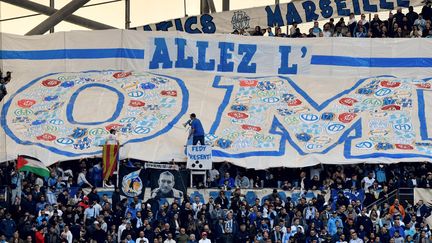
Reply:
x=40, y=210
x=397, y=25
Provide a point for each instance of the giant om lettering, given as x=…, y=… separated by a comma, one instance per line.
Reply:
x=264, y=102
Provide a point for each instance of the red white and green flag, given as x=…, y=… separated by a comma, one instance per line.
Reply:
x=33, y=165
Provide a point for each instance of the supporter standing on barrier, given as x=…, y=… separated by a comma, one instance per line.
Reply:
x=112, y=138
x=197, y=132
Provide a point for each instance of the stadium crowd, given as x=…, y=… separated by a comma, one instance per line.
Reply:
x=46, y=210
x=397, y=25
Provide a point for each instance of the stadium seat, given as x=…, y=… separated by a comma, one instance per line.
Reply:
x=295, y=196
x=250, y=197
x=282, y=195
x=213, y=194
x=196, y=194
x=310, y=195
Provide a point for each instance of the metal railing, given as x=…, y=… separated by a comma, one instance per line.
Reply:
x=405, y=195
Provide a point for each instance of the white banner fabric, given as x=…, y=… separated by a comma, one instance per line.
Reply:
x=263, y=102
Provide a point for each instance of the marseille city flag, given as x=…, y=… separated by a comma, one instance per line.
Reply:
x=30, y=164
x=110, y=155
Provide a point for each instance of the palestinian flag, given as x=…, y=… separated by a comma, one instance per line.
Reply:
x=110, y=156
x=33, y=165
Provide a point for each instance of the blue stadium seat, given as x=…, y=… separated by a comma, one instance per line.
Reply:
x=214, y=194
x=282, y=195
x=250, y=197
x=264, y=198
x=309, y=195
x=228, y=194
x=295, y=196
x=196, y=194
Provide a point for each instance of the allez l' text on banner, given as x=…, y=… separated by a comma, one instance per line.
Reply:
x=276, y=15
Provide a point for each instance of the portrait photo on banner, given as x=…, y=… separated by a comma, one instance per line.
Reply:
x=167, y=183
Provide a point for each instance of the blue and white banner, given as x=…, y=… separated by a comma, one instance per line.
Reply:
x=263, y=102
x=298, y=11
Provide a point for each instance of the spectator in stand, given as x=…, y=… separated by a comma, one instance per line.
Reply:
x=333, y=223
x=427, y=31
x=279, y=32
x=327, y=32
x=354, y=238
x=338, y=32
x=364, y=22
x=397, y=227
x=375, y=26
x=16, y=186
x=426, y=10
x=304, y=182
x=241, y=181
x=227, y=181
x=352, y=23
x=360, y=32
x=204, y=238
x=398, y=16
x=269, y=32
x=213, y=177
x=340, y=22
x=293, y=29
x=411, y=15
x=40, y=234
x=316, y=30
x=368, y=181
x=331, y=24
x=82, y=180
x=257, y=31
x=397, y=209
x=297, y=33
x=420, y=22
x=311, y=34
x=427, y=181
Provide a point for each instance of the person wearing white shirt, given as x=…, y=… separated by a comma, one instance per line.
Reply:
x=98, y=208
x=141, y=238
x=120, y=229
x=90, y=213
x=66, y=234
x=213, y=174
x=355, y=239
x=82, y=179
x=368, y=181
x=112, y=138
x=204, y=238
x=196, y=206
x=170, y=239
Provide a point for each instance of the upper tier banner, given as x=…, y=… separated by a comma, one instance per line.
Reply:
x=276, y=15
x=263, y=102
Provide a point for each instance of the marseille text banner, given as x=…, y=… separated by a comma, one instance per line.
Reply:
x=276, y=15
x=263, y=102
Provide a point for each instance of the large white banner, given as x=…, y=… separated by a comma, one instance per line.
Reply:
x=298, y=11
x=263, y=102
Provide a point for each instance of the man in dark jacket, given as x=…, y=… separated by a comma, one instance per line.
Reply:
x=7, y=226
x=242, y=236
